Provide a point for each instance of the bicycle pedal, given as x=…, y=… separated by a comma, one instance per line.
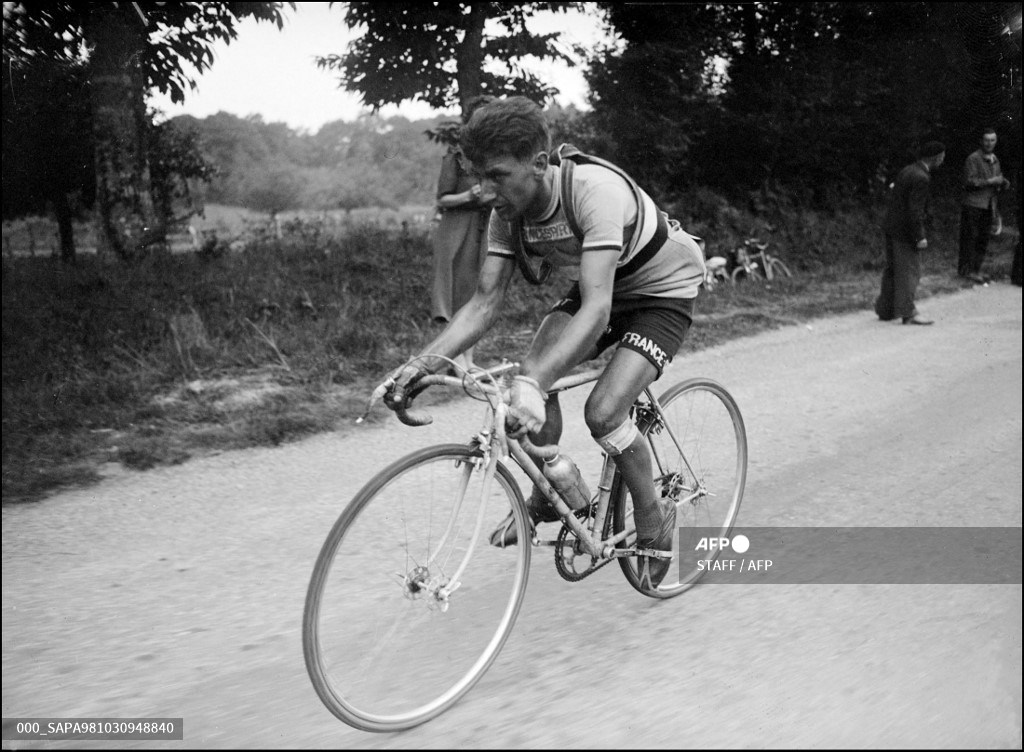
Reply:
x=653, y=553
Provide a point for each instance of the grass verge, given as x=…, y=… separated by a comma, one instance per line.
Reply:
x=108, y=367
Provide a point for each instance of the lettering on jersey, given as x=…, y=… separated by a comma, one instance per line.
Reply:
x=547, y=233
x=644, y=344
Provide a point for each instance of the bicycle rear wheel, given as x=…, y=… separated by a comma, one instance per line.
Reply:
x=778, y=267
x=386, y=646
x=706, y=478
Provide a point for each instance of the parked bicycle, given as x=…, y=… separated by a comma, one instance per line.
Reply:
x=408, y=604
x=754, y=262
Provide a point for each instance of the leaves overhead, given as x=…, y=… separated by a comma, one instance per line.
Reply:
x=817, y=100
x=179, y=36
x=444, y=53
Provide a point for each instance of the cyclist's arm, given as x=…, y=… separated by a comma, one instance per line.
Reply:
x=472, y=321
x=576, y=342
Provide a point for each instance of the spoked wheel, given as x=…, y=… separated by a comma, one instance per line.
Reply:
x=742, y=273
x=390, y=636
x=699, y=456
x=777, y=267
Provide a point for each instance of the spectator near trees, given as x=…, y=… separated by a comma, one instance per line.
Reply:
x=906, y=237
x=982, y=183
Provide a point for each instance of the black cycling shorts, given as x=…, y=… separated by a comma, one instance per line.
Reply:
x=653, y=327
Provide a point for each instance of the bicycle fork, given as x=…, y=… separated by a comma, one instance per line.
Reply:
x=438, y=587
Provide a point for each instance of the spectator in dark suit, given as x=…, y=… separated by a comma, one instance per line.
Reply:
x=906, y=237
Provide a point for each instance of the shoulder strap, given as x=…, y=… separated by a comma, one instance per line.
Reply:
x=531, y=276
x=567, y=156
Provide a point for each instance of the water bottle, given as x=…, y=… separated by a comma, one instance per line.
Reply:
x=563, y=474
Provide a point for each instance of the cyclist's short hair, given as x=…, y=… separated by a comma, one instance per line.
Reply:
x=506, y=127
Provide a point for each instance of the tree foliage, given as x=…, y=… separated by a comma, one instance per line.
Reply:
x=811, y=99
x=125, y=49
x=651, y=100
x=47, y=165
x=444, y=54
x=345, y=165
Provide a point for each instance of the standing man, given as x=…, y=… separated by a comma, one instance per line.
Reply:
x=983, y=181
x=905, y=237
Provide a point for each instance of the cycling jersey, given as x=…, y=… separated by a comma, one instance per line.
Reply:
x=657, y=258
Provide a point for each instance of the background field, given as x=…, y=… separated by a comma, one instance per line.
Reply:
x=256, y=340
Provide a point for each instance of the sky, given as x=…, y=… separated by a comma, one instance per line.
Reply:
x=273, y=73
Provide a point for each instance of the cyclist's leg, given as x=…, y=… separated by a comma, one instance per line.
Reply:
x=550, y=330
x=607, y=410
x=548, y=334
x=648, y=337
x=607, y=416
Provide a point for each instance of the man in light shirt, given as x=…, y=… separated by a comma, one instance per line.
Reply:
x=983, y=181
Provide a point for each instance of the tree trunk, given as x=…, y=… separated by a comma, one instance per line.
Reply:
x=749, y=26
x=126, y=220
x=62, y=208
x=471, y=55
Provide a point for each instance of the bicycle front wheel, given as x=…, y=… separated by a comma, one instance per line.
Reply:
x=390, y=638
x=698, y=447
x=752, y=273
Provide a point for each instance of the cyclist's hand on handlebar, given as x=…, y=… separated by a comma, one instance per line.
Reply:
x=403, y=384
x=526, y=412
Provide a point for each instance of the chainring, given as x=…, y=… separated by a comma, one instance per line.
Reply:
x=568, y=549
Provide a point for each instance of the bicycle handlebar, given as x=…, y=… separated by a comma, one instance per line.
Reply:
x=485, y=381
x=419, y=418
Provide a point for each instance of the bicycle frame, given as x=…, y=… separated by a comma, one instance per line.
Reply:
x=495, y=444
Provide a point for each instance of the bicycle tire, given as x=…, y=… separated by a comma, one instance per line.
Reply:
x=385, y=658
x=776, y=265
x=709, y=427
x=742, y=272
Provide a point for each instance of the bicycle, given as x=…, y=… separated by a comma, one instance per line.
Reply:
x=407, y=608
x=754, y=262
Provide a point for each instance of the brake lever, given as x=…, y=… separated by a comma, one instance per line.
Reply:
x=377, y=396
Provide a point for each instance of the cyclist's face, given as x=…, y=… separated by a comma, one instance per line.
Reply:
x=516, y=184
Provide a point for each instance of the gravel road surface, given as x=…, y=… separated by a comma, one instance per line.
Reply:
x=178, y=592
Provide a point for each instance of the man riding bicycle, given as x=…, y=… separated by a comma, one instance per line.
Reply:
x=637, y=272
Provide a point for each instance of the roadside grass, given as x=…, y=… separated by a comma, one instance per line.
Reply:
x=116, y=366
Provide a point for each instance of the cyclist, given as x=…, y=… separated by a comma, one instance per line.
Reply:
x=637, y=274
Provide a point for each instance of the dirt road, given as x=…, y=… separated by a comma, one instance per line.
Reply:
x=179, y=592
